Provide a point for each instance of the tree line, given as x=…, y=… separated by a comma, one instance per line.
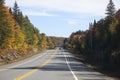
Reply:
x=101, y=43
x=17, y=33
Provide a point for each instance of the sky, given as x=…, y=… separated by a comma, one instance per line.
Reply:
x=62, y=17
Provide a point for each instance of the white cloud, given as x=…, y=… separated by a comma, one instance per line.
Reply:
x=93, y=7
x=72, y=22
x=37, y=13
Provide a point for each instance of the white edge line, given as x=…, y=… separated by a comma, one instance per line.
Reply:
x=23, y=63
x=70, y=67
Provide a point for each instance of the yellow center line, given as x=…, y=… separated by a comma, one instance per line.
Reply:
x=35, y=70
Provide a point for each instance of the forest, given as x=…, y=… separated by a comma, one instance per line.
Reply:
x=100, y=44
x=18, y=36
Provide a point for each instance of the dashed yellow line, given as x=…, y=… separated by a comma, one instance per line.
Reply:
x=35, y=70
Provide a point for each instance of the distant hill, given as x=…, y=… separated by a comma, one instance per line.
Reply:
x=58, y=40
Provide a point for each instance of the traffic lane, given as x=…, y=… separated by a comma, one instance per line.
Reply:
x=57, y=69
x=28, y=74
x=66, y=67
x=81, y=71
x=60, y=70
x=11, y=71
x=53, y=70
x=22, y=62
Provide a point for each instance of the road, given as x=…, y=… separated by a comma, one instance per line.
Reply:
x=50, y=65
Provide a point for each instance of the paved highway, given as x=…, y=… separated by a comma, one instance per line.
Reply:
x=50, y=65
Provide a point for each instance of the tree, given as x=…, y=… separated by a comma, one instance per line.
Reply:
x=110, y=11
x=6, y=28
x=118, y=14
x=2, y=11
x=16, y=11
x=1, y=2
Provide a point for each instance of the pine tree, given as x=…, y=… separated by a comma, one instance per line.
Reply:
x=16, y=10
x=110, y=11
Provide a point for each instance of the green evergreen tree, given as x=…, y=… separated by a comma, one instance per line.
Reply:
x=110, y=11
x=16, y=11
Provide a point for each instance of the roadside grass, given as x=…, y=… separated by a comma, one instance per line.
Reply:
x=91, y=66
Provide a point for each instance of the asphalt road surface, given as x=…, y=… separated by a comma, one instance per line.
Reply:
x=50, y=65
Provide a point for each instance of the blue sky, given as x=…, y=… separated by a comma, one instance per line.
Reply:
x=62, y=17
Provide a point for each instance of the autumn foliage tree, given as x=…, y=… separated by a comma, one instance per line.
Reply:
x=101, y=43
x=18, y=34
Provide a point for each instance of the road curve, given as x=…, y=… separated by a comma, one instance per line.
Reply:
x=50, y=65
